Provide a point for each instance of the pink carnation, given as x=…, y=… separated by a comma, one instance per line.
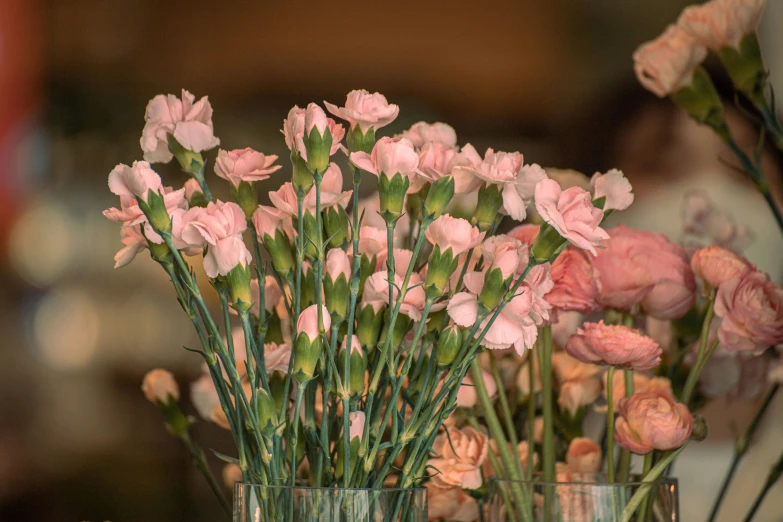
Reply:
x=241, y=165
x=666, y=64
x=134, y=182
x=453, y=233
x=219, y=227
x=308, y=321
x=332, y=194
x=613, y=186
x=571, y=213
x=294, y=129
x=389, y=157
x=421, y=133
x=365, y=110
x=505, y=252
x=134, y=242
x=614, y=345
x=721, y=23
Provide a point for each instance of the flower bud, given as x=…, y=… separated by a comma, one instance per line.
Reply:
x=337, y=226
x=392, y=196
x=307, y=349
x=312, y=240
x=437, y=320
x=238, y=279
x=336, y=289
x=194, y=194
x=448, y=345
x=160, y=387
x=246, y=197
x=317, y=139
x=355, y=434
x=302, y=178
x=402, y=325
x=369, y=322
x=440, y=266
x=359, y=141
x=274, y=328
x=357, y=363
x=267, y=412
x=307, y=294
x=700, y=430
x=546, y=244
x=439, y=196
x=494, y=288
x=155, y=210
x=366, y=269
x=268, y=222
x=701, y=101
x=490, y=199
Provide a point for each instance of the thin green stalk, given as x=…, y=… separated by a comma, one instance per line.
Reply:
x=648, y=479
x=499, y=471
x=548, y=442
x=772, y=478
x=644, y=513
x=200, y=459
x=610, y=424
x=531, y=416
x=693, y=375
x=625, y=455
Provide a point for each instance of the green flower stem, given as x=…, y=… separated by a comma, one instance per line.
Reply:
x=508, y=418
x=648, y=479
x=200, y=459
x=531, y=416
x=323, y=457
x=772, y=478
x=261, y=276
x=644, y=514
x=702, y=356
x=548, y=443
x=741, y=447
x=625, y=455
x=610, y=424
x=462, y=272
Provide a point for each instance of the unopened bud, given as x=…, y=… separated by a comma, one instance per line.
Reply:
x=546, y=244
x=440, y=266
x=701, y=100
x=700, y=430
x=448, y=345
x=306, y=355
x=490, y=199
x=357, y=364
x=336, y=226
x=392, y=196
x=359, y=141
x=267, y=412
x=439, y=196
x=745, y=66
x=301, y=178
x=191, y=162
x=238, y=279
x=494, y=288
x=369, y=322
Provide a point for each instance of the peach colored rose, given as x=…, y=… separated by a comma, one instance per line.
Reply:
x=160, y=386
x=614, y=345
x=246, y=164
x=584, y=456
x=716, y=265
x=466, y=395
x=450, y=503
x=652, y=420
x=576, y=286
x=721, y=23
x=571, y=213
x=308, y=321
x=421, y=133
x=134, y=182
x=665, y=65
x=641, y=383
x=219, y=226
x=459, y=456
x=389, y=157
x=579, y=382
x=365, y=110
x=751, y=309
x=190, y=124
x=645, y=268
x=613, y=186
x=453, y=233
x=134, y=242
x=294, y=128
x=332, y=194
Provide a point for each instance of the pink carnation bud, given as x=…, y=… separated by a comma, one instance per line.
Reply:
x=159, y=386
x=308, y=321
x=338, y=263
x=365, y=110
x=652, y=421
x=315, y=117
x=614, y=345
x=666, y=64
x=716, y=265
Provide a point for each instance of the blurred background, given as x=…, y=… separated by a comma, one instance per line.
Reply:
x=551, y=79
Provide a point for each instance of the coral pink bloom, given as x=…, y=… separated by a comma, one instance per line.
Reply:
x=751, y=309
x=526, y=233
x=716, y=265
x=421, y=133
x=453, y=233
x=389, y=157
x=308, y=321
x=575, y=283
x=506, y=253
x=721, y=23
x=159, y=385
x=613, y=186
x=641, y=383
x=376, y=293
x=338, y=263
x=652, y=421
x=134, y=242
x=460, y=454
x=365, y=110
x=332, y=194
x=219, y=227
x=571, y=213
x=665, y=65
x=614, y=345
x=135, y=181
x=190, y=124
x=241, y=165
x=356, y=426
x=584, y=456
x=579, y=382
x=450, y=503
x=466, y=395
x=638, y=267
x=294, y=128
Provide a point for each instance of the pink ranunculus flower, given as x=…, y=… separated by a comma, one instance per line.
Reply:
x=715, y=265
x=526, y=233
x=294, y=129
x=365, y=110
x=576, y=286
x=421, y=133
x=571, y=213
x=506, y=253
x=751, y=309
x=615, y=187
x=614, y=345
x=460, y=454
x=159, y=385
x=190, y=124
x=134, y=182
x=308, y=321
x=641, y=383
x=356, y=426
x=584, y=456
x=218, y=227
x=332, y=193
x=652, y=420
x=466, y=395
x=454, y=233
x=450, y=503
x=338, y=263
x=665, y=65
x=721, y=23
x=246, y=164
x=639, y=267
x=376, y=293
x=134, y=242
x=389, y=157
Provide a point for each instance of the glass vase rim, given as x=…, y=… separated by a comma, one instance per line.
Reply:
x=595, y=483
x=325, y=488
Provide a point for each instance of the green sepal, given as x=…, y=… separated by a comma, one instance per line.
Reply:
x=494, y=288
x=439, y=196
x=338, y=295
x=301, y=178
x=745, y=67
x=246, y=197
x=440, y=267
x=391, y=192
x=318, y=149
x=336, y=225
x=306, y=355
x=547, y=243
x=359, y=141
x=280, y=250
x=191, y=162
x=368, y=326
x=238, y=279
x=490, y=199
x=701, y=100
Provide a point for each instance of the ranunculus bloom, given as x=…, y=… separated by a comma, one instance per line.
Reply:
x=337, y=262
x=219, y=227
x=241, y=165
x=332, y=194
x=641, y=383
x=389, y=156
x=571, y=213
x=639, y=267
x=614, y=345
x=294, y=128
x=356, y=426
x=506, y=253
x=576, y=283
x=158, y=385
x=454, y=233
x=522, y=450
x=460, y=454
x=190, y=124
x=613, y=186
x=526, y=233
x=365, y=110
x=716, y=265
x=751, y=309
x=721, y=23
x=422, y=133
x=376, y=292
x=277, y=358
x=134, y=182
x=584, y=456
x=579, y=382
x=652, y=421
x=450, y=503
x=665, y=65
x=466, y=395
x=134, y=242
x=308, y=321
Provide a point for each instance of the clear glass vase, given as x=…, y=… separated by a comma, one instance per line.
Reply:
x=256, y=503
x=590, y=498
